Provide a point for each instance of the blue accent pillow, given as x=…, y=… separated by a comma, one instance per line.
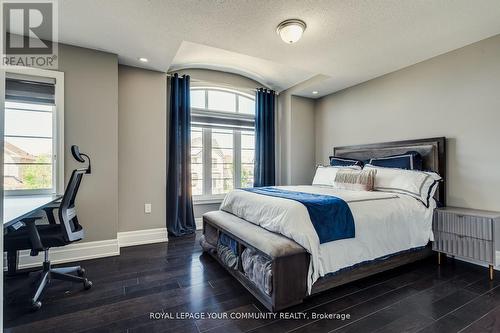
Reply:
x=411, y=160
x=342, y=161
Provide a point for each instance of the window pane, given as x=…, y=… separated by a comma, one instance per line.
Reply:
x=28, y=123
x=222, y=170
x=222, y=165
x=197, y=179
x=27, y=150
x=196, y=161
x=246, y=105
x=247, y=140
x=246, y=182
x=246, y=170
x=221, y=101
x=246, y=175
x=197, y=171
x=27, y=177
x=28, y=155
x=196, y=137
x=222, y=139
x=198, y=99
x=220, y=185
x=222, y=156
x=247, y=156
x=197, y=187
x=196, y=155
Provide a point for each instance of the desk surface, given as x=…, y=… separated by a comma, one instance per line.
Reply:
x=19, y=207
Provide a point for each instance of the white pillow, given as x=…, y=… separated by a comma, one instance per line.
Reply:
x=325, y=175
x=420, y=185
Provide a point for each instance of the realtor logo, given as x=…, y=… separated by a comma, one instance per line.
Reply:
x=29, y=33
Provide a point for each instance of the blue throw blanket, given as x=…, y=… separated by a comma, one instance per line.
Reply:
x=228, y=242
x=331, y=216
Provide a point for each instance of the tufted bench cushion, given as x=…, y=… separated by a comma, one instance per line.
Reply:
x=270, y=243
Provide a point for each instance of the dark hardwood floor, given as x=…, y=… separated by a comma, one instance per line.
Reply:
x=177, y=278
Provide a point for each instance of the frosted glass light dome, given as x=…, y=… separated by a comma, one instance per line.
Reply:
x=291, y=31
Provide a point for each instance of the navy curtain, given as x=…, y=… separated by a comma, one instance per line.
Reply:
x=180, y=217
x=264, y=173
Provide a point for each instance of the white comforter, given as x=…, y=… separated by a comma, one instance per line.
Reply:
x=385, y=224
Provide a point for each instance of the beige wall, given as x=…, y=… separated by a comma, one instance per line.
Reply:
x=456, y=95
x=294, y=165
x=91, y=121
x=142, y=112
x=283, y=138
x=143, y=136
x=302, y=154
x=295, y=138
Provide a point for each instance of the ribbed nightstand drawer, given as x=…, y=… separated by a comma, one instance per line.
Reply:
x=463, y=246
x=463, y=225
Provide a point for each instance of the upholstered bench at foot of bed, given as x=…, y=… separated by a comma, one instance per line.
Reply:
x=289, y=261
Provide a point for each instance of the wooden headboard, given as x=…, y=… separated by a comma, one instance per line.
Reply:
x=433, y=153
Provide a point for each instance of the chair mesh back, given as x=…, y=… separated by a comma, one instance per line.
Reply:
x=67, y=211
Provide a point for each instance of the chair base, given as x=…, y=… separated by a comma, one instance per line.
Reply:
x=61, y=273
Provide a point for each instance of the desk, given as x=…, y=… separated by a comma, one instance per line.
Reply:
x=18, y=207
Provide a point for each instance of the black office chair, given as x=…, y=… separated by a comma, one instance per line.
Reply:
x=42, y=237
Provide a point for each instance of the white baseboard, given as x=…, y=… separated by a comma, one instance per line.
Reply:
x=72, y=252
x=139, y=237
x=91, y=250
x=199, y=223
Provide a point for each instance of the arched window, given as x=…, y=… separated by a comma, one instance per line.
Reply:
x=222, y=141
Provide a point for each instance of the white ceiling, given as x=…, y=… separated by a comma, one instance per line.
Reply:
x=346, y=42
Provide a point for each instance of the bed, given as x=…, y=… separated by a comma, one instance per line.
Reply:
x=391, y=230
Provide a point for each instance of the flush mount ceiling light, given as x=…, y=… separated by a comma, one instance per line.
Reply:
x=315, y=92
x=291, y=30
x=143, y=59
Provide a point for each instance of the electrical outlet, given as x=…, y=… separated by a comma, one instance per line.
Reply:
x=147, y=208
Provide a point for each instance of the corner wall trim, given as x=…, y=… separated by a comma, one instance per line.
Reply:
x=72, y=252
x=139, y=237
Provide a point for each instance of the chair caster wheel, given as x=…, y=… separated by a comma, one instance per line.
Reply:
x=81, y=272
x=87, y=284
x=36, y=305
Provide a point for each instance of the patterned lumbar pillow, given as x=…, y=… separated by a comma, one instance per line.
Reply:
x=356, y=180
x=325, y=175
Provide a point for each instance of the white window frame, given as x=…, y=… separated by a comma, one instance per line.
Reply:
x=207, y=197
x=58, y=130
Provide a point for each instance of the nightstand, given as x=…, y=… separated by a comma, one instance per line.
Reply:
x=467, y=233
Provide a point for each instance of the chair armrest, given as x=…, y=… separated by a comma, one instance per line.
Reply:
x=36, y=242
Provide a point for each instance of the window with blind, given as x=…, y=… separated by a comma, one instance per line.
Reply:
x=222, y=141
x=32, y=150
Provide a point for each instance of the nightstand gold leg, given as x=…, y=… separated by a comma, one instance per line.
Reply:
x=490, y=269
x=439, y=258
